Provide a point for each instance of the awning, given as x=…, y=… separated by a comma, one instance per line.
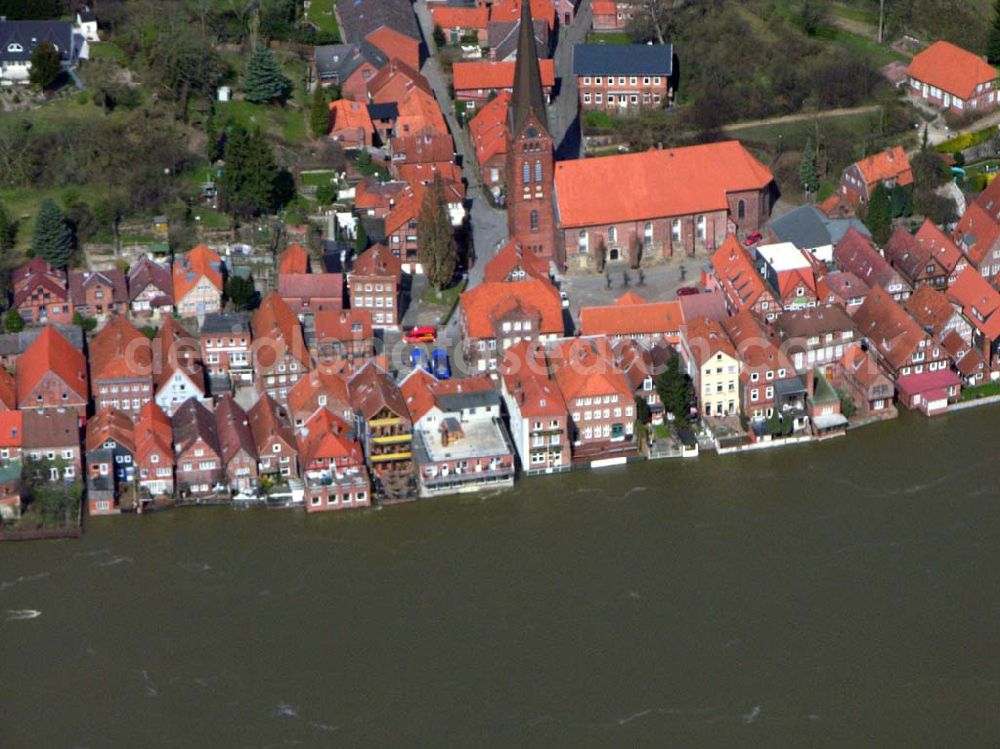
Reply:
x=829, y=421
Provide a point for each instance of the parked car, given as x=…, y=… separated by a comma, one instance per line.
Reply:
x=753, y=238
x=442, y=370
x=688, y=291
x=420, y=334
x=565, y=299
x=419, y=359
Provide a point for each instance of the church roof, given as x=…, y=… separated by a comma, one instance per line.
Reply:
x=528, y=97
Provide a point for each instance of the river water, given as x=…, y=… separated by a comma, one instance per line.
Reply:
x=843, y=594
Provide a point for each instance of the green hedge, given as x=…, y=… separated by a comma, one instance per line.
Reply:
x=966, y=140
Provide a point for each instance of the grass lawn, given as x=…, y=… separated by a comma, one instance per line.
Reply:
x=211, y=219
x=106, y=51
x=317, y=178
x=23, y=203
x=608, y=37
x=661, y=431
x=322, y=16
x=980, y=391
x=793, y=135
x=447, y=299
x=279, y=122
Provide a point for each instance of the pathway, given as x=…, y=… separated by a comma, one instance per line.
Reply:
x=802, y=116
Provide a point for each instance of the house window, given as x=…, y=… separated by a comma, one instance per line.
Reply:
x=741, y=209
x=649, y=232
x=581, y=241
x=612, y=235
x=534, y=221
x=702, y=227
x=675, y=230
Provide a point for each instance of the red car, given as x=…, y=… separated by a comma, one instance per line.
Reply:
x=687, y=291
x=420, y=334
x=753, y=238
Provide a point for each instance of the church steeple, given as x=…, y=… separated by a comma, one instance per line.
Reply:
x=528, y=97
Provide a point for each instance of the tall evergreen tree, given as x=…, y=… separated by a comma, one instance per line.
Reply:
x=878, y=218
x=808, y=175
x=45, y=65
x=675, y=390
x=52, y=240
x=247, y=185
x=319, y=113
x=360, y=238
x=436, y=237
x=8, y=230
x=263, y=80
x=993, y=45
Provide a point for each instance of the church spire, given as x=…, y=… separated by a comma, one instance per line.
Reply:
x=527, y=97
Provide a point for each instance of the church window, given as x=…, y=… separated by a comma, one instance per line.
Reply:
x=526, y=172
x=538, y=171
x=534, y=221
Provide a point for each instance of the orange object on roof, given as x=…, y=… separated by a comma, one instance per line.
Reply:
x=886, y=165
x=488, y=74
x=190, y=268
x=951, y=69
x=51, y=352
x=653, y=184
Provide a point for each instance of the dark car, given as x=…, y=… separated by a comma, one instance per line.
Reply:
x=688, y=291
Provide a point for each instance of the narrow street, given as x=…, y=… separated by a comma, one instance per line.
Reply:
x=564, y=121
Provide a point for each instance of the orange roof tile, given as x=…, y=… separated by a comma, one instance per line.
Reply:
x=350, y=115
x=509, y=259
x=486, y=302
x=392, y=82
x=448, y=17
x=418, y=111
x=119, y=351
x=276, y=324
x=11, y=429
x=488, y=129
x=153, y=433
x=509, y=11
x=756, y=347
x=327, y=436
x=977, y=232
x=294, y=259
x=930, y=308
x=189, y=269
x=110, y=424
x=889, y=328
x=652, y=184
x=735, y=271
x=951, y=69
x=525, y=374
x=705, y=338
x=979, y=301
x=630, y=318
x=377, y=261
x=489, y=74
x=418, y=392
x=585, y=367
x=304, y=397
x=886, y=165
x=51, y=352
x=394, y=44
x=8, y=391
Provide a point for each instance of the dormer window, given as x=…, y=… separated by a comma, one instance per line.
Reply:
x=15, y=47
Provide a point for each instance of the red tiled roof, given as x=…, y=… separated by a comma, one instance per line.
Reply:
x=524, y=370
x=311, y=285
x=392, y=82
x=343, y=325
x=977, y=232
x=147, y=272
x=509, y=11
x=757, y=348
x=350, y=115
x=449, y=172
x=930, y=308
x=418, y=392
x=268, y=420
x=448, y=17
x=886, y=165
x=710, y=305
x=484, y=303
x=429, y=146
x=11, y=430
x=885, y=323
x=372, y=390
x=189, y=268
x=951, y=69
x=967, y=360
x=327, y=436
x=275, y=323
x=843, y=285
x=233, y=428
x=119, y=351
x=585, y=367
x=979, y=301
x=488, y=129
x=8, y=391
x=630, y=318
x=153, y=433
x=652, y=184
x=110, y=424
x=51, y=352
x=294, y=259
x=377, y=261
x=304, y=396
x=924, y=382
x=735, y=271
x=509, y=258
x=49, y=282
x=394, y=44
x=80, y=279
x=489, y=74
x=191, y=422
x=856, y=253
x=705, y=338
x=604, y=7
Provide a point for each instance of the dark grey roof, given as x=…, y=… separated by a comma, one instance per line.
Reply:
x=453, y=402
x=16, y=343
x=338, y=61
x=19, y=38
x=623, y=59
x=386, y=111
x=528, y=97
x=338, y=257
x=359, y=18
x=218, y=322
x=807, y=227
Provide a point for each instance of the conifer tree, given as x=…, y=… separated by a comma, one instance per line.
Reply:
x=360, y=238
x=8, y=230
x=52, y=240
x=878, y=219
x=263, y=81
x=247, y=185
x=808, y=175
x=436, y=237
x=319, y=113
